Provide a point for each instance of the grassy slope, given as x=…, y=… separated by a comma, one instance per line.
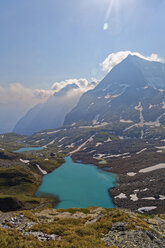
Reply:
x=78, y=230
x=21, y=180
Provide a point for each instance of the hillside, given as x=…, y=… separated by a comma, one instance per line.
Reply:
x=91, y=227
x=125, y=154
x=20, y=176
x=132, y=92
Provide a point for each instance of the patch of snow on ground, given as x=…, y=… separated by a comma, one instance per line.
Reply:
x=42, y=171
x=160, y=147
x=141, y=151
x=53, y=132
x=126, y=121
x=131, y=174
x=95, y=120
x=36, y=142
x=107, y=96
x=152, y=106
x=126, y=157
x=98, y=144
x=146, y=209
x=121, y=196
x=90, y=104
x=134, y=197
x=50, y=143
x=24, y=161
x=2, y=149
x=159, y=151
x=148, y=198
x=92, y=151
x=82, y=145
x=117, y=155
x=142, y=123
x=108, y=140
x=121, y=137
x=95, y=126
x=152, y=168
x=70, y=146
x=62, y=139
x=115, y=96
x=163, y=105
x=139, y=107
x=162, y=197
x=143, y=190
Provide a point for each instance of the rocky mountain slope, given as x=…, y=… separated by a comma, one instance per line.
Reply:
x=91, y=227
x=133, y=92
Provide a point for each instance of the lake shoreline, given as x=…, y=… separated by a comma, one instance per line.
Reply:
x=116, y=177
x=56, y=196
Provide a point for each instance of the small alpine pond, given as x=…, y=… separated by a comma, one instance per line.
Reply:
x=27, y=149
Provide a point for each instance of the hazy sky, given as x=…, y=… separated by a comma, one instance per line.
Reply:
x=44, y=41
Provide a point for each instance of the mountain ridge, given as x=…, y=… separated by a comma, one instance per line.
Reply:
x=119, y=93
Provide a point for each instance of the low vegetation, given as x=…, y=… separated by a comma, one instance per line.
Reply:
x=20, y=177
x=83, y=228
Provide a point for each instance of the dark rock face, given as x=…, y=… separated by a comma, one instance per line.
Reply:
x=119, y=226
x=10, y=204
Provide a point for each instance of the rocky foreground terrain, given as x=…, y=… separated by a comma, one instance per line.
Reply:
x=91, y=227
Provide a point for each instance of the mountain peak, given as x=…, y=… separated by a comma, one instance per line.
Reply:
x=66, y=89
x=134, y=58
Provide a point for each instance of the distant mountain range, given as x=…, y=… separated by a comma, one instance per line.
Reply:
x=50, y=114
x=132, y=92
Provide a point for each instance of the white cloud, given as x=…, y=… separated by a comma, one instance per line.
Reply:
x=17, y=93
x=81, y=83
x=115, y=58
x=16, y=99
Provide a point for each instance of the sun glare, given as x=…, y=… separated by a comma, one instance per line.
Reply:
x=105, y=27
x=114, y=9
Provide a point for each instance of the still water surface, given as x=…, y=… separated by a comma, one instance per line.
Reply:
x=78, y=185
x=26, y=149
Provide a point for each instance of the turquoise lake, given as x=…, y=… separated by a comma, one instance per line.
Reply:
x=26, y=149
x=78, y=185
